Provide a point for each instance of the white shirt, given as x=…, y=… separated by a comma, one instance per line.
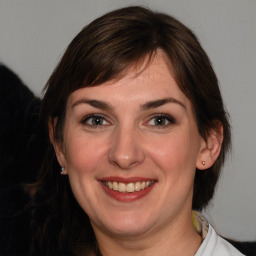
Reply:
x=214, y=245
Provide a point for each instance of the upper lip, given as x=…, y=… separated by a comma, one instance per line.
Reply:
x=126, y=180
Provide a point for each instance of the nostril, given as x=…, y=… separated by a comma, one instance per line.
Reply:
x=125, y=163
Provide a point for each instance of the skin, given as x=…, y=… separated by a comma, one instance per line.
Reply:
x=129, y=143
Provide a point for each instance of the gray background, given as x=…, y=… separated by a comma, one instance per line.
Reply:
x=34, y=35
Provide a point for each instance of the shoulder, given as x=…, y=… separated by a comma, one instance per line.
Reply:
x=214, y=245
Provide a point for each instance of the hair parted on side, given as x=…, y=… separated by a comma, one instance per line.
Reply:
x=104, y=50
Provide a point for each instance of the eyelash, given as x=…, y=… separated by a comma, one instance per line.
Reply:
x=171, y=120
x=91, y=116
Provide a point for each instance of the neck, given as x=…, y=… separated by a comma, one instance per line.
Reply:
x=169, y=240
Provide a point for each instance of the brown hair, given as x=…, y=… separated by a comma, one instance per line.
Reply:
x=103, y=51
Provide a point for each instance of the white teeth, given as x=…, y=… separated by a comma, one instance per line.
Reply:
x=137, y=186
x=115, y=185
x=110, y=184
x=122, y=187
x=130, y=187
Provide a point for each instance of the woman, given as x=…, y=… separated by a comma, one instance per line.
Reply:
x=137, y=123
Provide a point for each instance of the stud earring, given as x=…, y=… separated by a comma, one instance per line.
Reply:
x=203, y=162
x=62, y=170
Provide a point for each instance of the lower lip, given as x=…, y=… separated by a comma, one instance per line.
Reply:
x=127, y=197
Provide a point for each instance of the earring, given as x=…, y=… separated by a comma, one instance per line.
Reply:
x=62, y=170
x=203, y=162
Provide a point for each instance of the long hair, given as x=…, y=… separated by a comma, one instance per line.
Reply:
x=104, y=50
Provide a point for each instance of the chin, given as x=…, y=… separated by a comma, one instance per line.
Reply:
x=127, y=226
x=128, y=230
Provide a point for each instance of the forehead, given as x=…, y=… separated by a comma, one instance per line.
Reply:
x=145, y=82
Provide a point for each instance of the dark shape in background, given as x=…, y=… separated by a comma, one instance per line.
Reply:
x=21, y=147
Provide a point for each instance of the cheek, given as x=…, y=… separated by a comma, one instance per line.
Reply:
x=175, y=153
x=84, y=157
x=84, y=154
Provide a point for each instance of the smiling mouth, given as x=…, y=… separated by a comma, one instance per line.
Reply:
x=130, y=187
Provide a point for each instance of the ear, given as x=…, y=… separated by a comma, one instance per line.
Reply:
x=210, y=148
x=57, y=145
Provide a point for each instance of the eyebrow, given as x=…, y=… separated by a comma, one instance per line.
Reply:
x=94, y=103
x=148, y=105
x=161, y=102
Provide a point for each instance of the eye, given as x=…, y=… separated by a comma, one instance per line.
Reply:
x=95, y=120
x=161, y=120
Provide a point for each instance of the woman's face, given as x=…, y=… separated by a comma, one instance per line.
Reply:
x=130, y=148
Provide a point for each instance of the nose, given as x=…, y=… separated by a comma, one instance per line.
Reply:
x=126, y=150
